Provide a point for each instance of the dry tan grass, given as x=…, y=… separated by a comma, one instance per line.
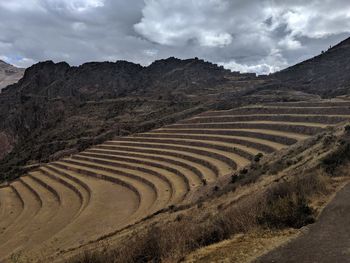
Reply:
x=154, y=170
x=171, y=241
x=242, y=248
x=291, y=197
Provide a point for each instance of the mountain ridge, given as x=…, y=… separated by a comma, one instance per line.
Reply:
x=317, y=74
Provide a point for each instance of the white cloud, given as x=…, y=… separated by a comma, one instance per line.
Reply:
x=18, y=62
x=178, y=22
x=211, y=39
x=74, y=5
x=289, y=43
x=270, y=64
x=16, y=5
x=256, y=35
x=151, y=52
x=23, y=62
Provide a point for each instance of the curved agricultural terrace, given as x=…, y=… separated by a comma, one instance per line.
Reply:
x=67, y=203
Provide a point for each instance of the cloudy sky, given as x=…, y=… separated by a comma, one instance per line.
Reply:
x=247, y=35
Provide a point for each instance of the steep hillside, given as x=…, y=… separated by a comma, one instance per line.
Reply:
x=326, y=75
x=149, y=173
x=9, y=74
x=57, y=110
x=254, y=210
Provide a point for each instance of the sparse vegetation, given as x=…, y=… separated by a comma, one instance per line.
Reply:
x=338, y=157
x=287, y=204
x=177, y=171
x=258, y=157
x=281, y=206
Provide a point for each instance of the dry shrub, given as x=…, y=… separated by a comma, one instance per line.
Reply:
x=336, y=159
x=171, y=242
x=94, y=257
x=283, y=205
x=288, y=211
x=286, y=204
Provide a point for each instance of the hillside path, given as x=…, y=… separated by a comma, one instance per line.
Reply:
x=326, y=241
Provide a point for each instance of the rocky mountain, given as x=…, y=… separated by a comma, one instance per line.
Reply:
x=327, y=74
x=56, y=109
x=9, y=74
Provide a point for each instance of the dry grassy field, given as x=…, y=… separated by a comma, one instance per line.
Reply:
x=110, y=186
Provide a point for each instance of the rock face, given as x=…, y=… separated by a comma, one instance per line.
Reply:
x=96, y=81
x=6, y=144
x=56, y=108
x=9, y=74
x=327, y=75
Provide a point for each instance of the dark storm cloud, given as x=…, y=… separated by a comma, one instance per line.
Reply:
x=253, y=35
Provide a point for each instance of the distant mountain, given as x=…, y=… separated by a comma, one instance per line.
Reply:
x=327, y=75
x=9, y=74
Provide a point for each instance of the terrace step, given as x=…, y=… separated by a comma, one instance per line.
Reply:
x=84, y=189
x=240, y=155
x=146, y=191
x=162, y=167
x=45, y=223
x=98, y=192
x=283, y=138
x=189, y=182
x=29, y=207
x=70, y=201
x=33, y=226
x=290, y=127
x=302, y=118
x=222, y=163
x=11, y=207
x=194, y=170
x=281, y=110
x=184, y=155
x=305, y=104
x=178, y=186
x=251, y=145
x=160, y=184
x=96, y=219
x=82, y=193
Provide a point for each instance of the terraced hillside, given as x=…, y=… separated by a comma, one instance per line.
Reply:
x=65, y=204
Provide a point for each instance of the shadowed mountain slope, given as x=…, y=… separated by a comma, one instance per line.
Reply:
x=57, y=109
x=326, y=75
